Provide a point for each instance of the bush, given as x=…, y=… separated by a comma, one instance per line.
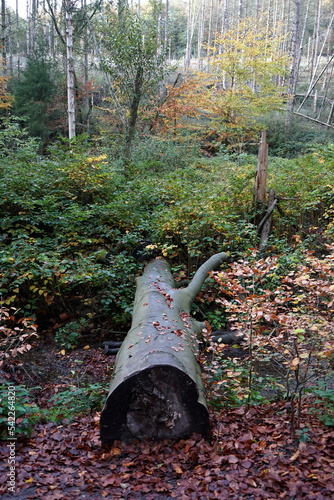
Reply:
x=18, y=413
x=295, y=140
x=65, y=404
x=75, y=401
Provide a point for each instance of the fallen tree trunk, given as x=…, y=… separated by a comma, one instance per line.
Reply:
x=156, y=389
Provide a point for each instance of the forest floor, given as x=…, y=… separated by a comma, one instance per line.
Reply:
x=249, y=453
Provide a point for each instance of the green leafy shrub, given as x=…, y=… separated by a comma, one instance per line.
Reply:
x=65, y=404
x=230, y=382
x=27, y=413
x=69, y=334
x=295, y=140
x=60, y=210
x=14, y=139
x=325, y=396
x=75, y=401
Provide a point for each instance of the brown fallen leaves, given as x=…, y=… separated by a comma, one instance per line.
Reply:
x=249, y=455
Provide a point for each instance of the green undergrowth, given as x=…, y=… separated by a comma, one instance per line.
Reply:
x=63, y=210
x=65, y=405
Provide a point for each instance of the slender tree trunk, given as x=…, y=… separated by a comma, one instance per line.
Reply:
x=302, y=36
x=10, y=43
x=17, y=40
x=167, y=44
x=69, y=5
x=295, y=56
x=4, y=37
x=107, y=76
x=208, y=50
x=190, y=31
x=240, y=10
x=131, y=127
x=316, y=38
x=200, y=33
x=34, y=23
x=224, y=24
x=85, y=64
x=53, y=31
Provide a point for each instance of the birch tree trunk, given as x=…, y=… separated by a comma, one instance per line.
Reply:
x=208, y=50
x=131, y=126
x=295, y=56
x=34, y=23
x=85, y=64
x=99, y=54
x=189, y=36
x=17, y=40
x=200, y=36
x=156, y=389
x=167, y=44
x=3, y=37
x=69, y=5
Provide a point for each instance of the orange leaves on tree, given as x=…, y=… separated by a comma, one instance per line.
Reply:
x=5, y=98
x=182, y=108
x=241, y=84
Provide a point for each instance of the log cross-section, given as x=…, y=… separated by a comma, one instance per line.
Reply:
x=156, y=389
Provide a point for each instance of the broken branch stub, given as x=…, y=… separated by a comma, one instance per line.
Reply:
x=156, y=389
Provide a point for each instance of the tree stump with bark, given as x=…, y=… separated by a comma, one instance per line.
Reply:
x=156, y=389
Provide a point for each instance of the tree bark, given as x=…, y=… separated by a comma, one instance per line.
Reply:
x=264, y=228
x=260, y=188
x=156, y=389
x=69, y=5
x=295, y=58
x=131, y=127
x=3, y=37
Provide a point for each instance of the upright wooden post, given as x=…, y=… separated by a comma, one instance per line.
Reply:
x=260, y=188
x=263, y=215
x=264, y=228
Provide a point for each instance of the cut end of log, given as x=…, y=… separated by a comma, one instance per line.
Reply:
x=160, y=402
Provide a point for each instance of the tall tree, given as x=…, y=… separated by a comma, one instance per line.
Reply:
x=33, y=95
x=5, y=97
x=295, y=56
x=69, y=6
x=3, y=37
x=200, y=36
x=192, y=17
x=135, y=59
x=241, y=88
